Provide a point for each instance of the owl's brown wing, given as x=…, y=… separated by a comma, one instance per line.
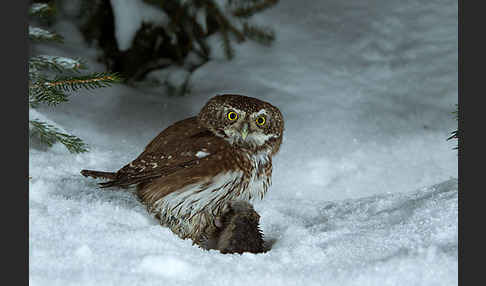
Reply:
x=180, y=146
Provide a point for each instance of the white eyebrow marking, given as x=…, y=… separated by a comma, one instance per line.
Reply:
x=261, y=111
x=241, y=113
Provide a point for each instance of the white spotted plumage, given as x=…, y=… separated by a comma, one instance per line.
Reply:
x=201, y=154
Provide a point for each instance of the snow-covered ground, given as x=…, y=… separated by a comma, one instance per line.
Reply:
x=363, y=189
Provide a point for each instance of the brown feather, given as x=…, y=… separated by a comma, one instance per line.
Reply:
x=172, y=150
x=98, y=174
x=224, y=160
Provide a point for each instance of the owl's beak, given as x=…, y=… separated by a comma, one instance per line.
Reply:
x=244, y=131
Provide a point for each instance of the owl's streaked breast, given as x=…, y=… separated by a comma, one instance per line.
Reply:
x=194, y=207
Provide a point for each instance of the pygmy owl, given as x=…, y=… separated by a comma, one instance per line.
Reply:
x=188, y=175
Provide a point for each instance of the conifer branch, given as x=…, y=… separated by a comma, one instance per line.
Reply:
x=90, y=81
x=52, y=91
x=39, y=34
x=190, y=23
x=41, y=91
x=225, y=27
x=456, y=133
x=59, y=64
x=247, y=10
x=40, y=9
x=49, y=135
x=223, y=22
x=262, y=35
x=228, y=49
x=204, y=49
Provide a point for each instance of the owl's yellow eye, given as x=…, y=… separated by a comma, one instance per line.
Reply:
x=260, y=120
x=232, y=115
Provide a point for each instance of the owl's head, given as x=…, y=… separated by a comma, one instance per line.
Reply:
x=243, y=121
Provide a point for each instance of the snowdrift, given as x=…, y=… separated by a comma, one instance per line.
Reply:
x=80, y=235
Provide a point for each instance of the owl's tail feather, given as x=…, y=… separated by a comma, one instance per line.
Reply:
x=98, y=174
x=118, y=179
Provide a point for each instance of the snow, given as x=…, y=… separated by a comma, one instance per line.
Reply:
x=364, y=189
x=63, y=62
x=201, y=19
x=172, y=75
x=129, y=16
x=38, y=7
x=167, y=266
x=39, y=33
x=36, y=116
